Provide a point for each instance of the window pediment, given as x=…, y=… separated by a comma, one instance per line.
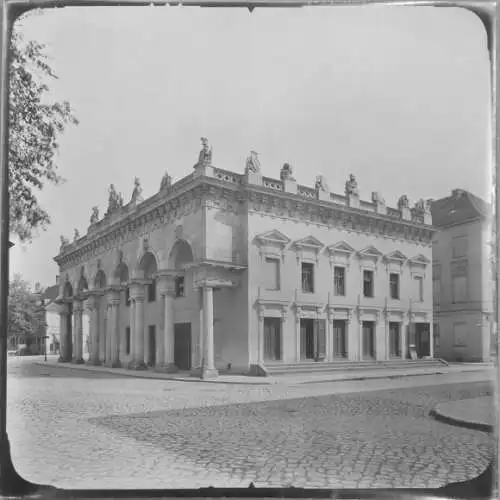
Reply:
x=272, y=243
x=418, y=263
x=369, y=256
x=340, y=253
x=396, y=257
x=306, y=245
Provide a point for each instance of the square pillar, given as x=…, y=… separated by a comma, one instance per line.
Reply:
x=113, y=333
x=165, y=359
x=137, y=294
x=208, y=369
x=93, y=306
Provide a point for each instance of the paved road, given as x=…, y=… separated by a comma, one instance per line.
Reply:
x=87, y=430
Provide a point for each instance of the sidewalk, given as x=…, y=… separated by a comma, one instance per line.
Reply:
x=287, y=379
x=475, y=413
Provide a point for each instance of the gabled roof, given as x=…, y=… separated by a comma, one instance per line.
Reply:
x=273, y=236
x=459, y=208
x=395, y=256
x=341, y=247
x=309, y=241
x=419, y=260
x=370, y=251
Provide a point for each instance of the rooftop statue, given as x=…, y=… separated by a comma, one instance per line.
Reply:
x=95, y=215
x=137, y=192
x=351, y=186
x=119, y=200
x=205, y=156
x=76, y=235
x=113, y=200
x=166, y=182
x=321, y=183
x=64, y=241
x=422, y=206
x=253, y=163
x=403, y=202
x=377, y=198
x=286, y=172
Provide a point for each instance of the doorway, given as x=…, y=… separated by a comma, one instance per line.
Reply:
x=152, y=345
x=422, y=339
x=307, y=340
x=272, y=339
x=368, y=340
x=339, y=338
x=394, y=339
x=182, y=346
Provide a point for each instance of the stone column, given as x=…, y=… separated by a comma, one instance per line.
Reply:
x=165, y=348
x=102, y=326
x=209, y=370
x=260, y=336
x=298, y=315
x=113, y=333
x=431, y=339
x=404, y=325
x=78, y=329
x=138, y=297
x=93, y=305
x=63, y=333
x=132, y=330
x=329, y=335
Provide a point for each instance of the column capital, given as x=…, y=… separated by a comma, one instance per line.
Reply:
x=137, y=289
x=78, y=306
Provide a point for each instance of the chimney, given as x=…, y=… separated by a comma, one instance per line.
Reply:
x=57, y=280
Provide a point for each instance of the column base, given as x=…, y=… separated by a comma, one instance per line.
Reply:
x=62, y=359
x=166, y=368
x=114, y=364
x=196, y=372
x=78, y=361
x=137, y=365
x=94, y=362
x=209, y=373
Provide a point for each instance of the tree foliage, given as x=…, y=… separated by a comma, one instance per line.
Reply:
x=35, y=127
x=25, y=317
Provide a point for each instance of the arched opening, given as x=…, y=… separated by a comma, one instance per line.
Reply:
x=149, y=267
x=122, y=276
x=82, y=285
x=100, y=279
x=68, y=290
x=180, y=255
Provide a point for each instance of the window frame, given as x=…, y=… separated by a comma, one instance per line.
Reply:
x=344, y=278
x=277, y=261
x=398, y=294
x=372, y=272
x=312, y=267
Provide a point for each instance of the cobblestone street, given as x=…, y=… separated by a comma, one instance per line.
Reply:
x=85, y=430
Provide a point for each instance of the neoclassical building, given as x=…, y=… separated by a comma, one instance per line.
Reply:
x=241, y=272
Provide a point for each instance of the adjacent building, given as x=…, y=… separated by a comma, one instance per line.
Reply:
x=241, y=272
x=462, y=277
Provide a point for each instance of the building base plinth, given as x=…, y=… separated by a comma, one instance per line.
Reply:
x=258, y=370
x=137, y=365
x=209, y=373
x=79, y=361
x=94, y=362
x=166, y=368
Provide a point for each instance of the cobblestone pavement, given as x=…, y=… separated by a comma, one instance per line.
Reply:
x=87, y=430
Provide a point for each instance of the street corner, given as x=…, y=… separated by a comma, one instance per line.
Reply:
x=474, y=413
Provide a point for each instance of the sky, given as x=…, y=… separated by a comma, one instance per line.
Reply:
x=398, y=96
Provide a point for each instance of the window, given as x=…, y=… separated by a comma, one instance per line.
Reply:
x=459, y=288
x=394, y=286
x=307, y=277
x=127, y=296
x=152, y=291
x=460, y=246
x=179, y=286
x=127, y=340
x=272, y=274
x=339, y=280
x=418, y=289
x=368, y=283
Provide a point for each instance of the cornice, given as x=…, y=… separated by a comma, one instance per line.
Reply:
x=228, y=193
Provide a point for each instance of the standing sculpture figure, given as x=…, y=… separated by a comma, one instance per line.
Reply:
x=137, y=192
x=205, y=156
x=253, y=163
x=95, y=215
x=351, y=186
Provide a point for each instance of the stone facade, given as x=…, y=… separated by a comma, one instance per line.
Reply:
x=227, y=271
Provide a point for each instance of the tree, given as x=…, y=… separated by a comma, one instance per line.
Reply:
x=26, y=319
x=35, y=127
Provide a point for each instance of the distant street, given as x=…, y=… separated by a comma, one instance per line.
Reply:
x=85, y=430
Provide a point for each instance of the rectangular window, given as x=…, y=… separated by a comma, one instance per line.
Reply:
x=460, y=246
x=368, y=283
x=394, y=285
x=307, y=277
x=127, y=340
x=127, y=297
x=179, y=286
x=272, y=273
x=459, y=288
x=418, y=292
x=339, y=281
x=152, y=291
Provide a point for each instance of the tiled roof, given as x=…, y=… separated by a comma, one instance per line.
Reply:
x=458, y=208
x=51, y=292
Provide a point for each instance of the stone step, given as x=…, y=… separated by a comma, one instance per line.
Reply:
x=336, y=366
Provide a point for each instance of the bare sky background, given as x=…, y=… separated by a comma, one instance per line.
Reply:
x=399, y=96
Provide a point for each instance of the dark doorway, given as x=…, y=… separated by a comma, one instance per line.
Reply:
x=182, y=346
x=394, y=339
x=422, y=339
x=368, y=339
x=272, y=339
x=339, y=338
x=307, y=340
x=152, y=345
